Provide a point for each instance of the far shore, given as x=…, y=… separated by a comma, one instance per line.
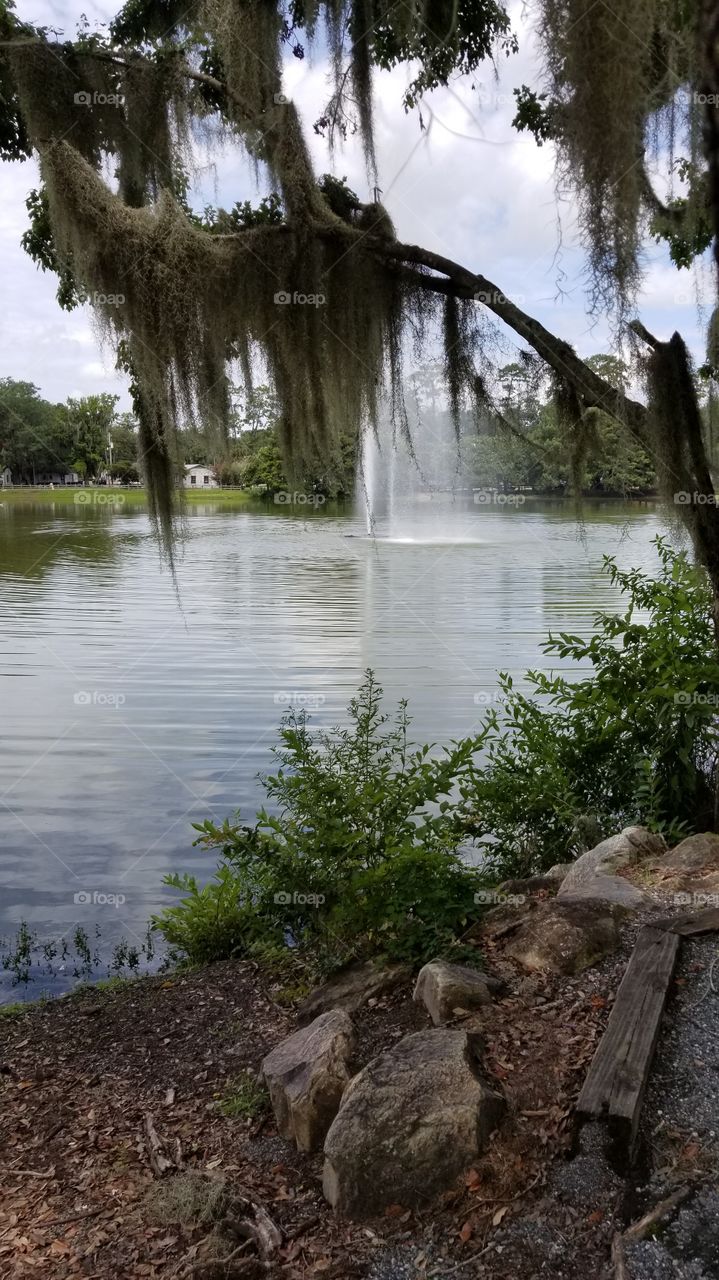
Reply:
x=110, y=495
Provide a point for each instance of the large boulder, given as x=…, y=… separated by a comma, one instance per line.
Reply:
x=696, y=853
x=351, y=988
x=559, y=937
x=306, y=1076
x=446, y=989
x=410, y=1124
x=613, y=890
x=593, y=875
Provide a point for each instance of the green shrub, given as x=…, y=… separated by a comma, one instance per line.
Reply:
x=636, y=741
x=212, y=922
x=358, y=856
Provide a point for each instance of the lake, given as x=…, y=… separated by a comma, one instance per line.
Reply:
x=132, y=705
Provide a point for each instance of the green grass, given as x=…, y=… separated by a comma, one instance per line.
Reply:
x=16, y=1010
x=123, y=497
x=244, y=1099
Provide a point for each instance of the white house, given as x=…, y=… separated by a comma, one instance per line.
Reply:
x=57, y=478
x=198, y=476
x=5, y=478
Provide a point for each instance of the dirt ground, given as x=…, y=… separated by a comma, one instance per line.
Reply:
x=80, y=1076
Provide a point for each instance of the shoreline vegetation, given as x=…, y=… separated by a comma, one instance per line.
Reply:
x=69, y=495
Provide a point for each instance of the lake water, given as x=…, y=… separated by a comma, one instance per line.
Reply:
x=131, y=706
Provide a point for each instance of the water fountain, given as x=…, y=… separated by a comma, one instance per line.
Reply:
x=413, y=490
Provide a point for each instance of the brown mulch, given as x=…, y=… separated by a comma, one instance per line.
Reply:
x=79, y=1076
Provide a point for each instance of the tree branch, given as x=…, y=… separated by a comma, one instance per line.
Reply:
x=459, y=282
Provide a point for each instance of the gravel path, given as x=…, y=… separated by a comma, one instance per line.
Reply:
x=680, y=1125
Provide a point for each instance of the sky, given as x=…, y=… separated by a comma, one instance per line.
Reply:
x=468, y=186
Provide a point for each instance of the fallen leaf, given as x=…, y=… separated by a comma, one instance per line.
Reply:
x=466, y=1232
x=501, y=1213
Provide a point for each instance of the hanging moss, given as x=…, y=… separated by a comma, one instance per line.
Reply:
x=619, y=74
x=306, y=298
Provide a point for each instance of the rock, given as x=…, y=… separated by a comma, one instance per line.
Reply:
x=444, y=988
x=564, y=937
x=696, y=853
x=593, y=877
x=528, y=884
x=306, y=1076
x=410, y=1124
x=558, y=872
x=624, y=850
x=351, y=988
x=611, y=889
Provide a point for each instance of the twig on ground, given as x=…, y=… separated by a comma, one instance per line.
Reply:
x=618, y=1259
x=156, y=1149
x=302, y=1228
x=638, y=1230
x=478, y=1253
x=74, y=1217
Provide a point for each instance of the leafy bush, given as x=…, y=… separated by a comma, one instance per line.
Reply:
x=636, y=741
x=358, y=857
x=213, y=921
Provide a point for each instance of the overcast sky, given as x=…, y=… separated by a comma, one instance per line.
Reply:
x=468, y=187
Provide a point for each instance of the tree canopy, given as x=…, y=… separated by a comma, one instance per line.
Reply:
x=312, y=283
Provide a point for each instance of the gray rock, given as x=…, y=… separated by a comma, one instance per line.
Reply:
x=351, y=988
x=410, y=1123
x=306, y=1076
x=559, y=871
x=631, y=846
x=593, y=876
x=696, y=853
x=444, y=988
x=610, y=889
x=564, y=936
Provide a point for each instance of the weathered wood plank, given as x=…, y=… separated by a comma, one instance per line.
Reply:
x=617, y=1078
x=691, y=922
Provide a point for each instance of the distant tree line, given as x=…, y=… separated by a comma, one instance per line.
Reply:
x=39, y=439
x=87, y=437
x=519, y=441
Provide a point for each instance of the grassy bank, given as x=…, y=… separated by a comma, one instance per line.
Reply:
x=72, y=496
